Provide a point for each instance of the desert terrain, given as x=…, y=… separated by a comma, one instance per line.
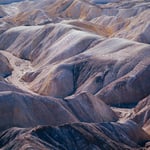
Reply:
x=74, y=74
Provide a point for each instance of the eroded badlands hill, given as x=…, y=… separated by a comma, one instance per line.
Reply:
x=75, y=74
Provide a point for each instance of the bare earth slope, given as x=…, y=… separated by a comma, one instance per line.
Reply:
x=76, y=136
x=75, y=74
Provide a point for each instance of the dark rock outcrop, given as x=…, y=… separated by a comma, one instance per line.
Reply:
x=77, y=136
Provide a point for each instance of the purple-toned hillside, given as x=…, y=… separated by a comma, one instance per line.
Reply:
x=75, y=75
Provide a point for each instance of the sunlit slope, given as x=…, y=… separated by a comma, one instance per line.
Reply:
x=75, y=74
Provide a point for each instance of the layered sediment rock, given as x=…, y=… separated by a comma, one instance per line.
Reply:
x=74, y=73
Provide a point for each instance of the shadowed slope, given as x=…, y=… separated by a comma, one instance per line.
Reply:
x=27, y=110
x=78, y=136
x=5, y=67
x=141, y=114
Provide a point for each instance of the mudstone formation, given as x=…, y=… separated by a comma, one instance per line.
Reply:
x=74, y=74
